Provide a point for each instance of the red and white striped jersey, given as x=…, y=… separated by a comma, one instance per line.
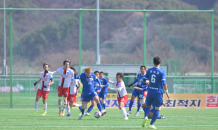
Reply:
x=46, y=78
x=73, y=85
x=65, y=76
x=120, y=88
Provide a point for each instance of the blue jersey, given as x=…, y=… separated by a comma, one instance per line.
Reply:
x=97, y=85
x=88, y=82
x=156, y=78
x=140, y=80
x=105, y=83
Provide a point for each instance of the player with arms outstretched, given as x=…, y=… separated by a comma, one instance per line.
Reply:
x=75, y=86
x=64, y=84
x=97, y=90
x=87, y=78
x=46, y=80
x=104, y=85
x=122, y=96
x=157, y=79
x=137, y=92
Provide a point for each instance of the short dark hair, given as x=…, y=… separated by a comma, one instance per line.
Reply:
x=101, y=72
x=142, y=66
x=45, y=64
x=96, y=72
x=72, y=68
x=66, y=61
x=157, y=60
x=120, y=74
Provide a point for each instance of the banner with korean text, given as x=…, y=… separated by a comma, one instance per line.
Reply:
x=175, y=101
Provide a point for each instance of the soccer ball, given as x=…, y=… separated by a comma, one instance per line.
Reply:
x=97, y=114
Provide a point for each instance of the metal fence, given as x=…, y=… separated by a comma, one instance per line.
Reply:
x=184, y=39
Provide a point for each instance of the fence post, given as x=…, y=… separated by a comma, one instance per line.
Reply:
x=212, y=53
x=144, y=38
x=11, y=61
x=168, y=67
x=195, y=85
x=205, y=86
x=29, y=87
x=181, y=67
x=175, y=68
x=80, y=38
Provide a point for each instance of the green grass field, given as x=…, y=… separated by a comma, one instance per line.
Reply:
x=177, y=119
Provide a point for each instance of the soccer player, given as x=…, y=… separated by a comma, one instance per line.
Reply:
x=136, y=92
x=103, y=93
x=152, y=108
x=121, y=93
x=87, y=78
x=44, y=88
x=64, y=84
x=75, y=86
x=157, y=79
x=97, y=90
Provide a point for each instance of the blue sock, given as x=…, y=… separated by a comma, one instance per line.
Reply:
x=130, y=105
x=146, y=111
x=154, y=117
x=101, y=102
x=99, y=107
x=83, y=111
x=139, y=105
x=158, y=117
x=80, y=108
x=103, y=106
x=90, y=109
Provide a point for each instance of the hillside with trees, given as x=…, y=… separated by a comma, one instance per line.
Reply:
x=52, y=36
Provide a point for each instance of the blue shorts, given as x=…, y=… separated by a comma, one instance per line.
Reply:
x=152, y=108
x=138, y=93
x=102, y=95
x=88, y=97
x=154, y=97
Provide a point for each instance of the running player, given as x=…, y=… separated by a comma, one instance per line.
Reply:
x=136, y=92
x=157, y=79
x=97, y=90
x=87, y=78
x=44, y=88
x=121, y=93
x=152, y=108
x=75, y=86
x=103, y=93
x=64, y=84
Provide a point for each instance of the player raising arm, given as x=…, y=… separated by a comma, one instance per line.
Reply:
x=137, y=92
x=157, y=81
x=44, y=87
x=75, y=86
x=87, y=78
x=121, y=93
x=97, y=90
x=64, y=83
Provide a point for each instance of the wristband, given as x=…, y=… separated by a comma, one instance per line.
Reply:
x=166, y=91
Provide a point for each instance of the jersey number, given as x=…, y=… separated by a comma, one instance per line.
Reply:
x=153, y=78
